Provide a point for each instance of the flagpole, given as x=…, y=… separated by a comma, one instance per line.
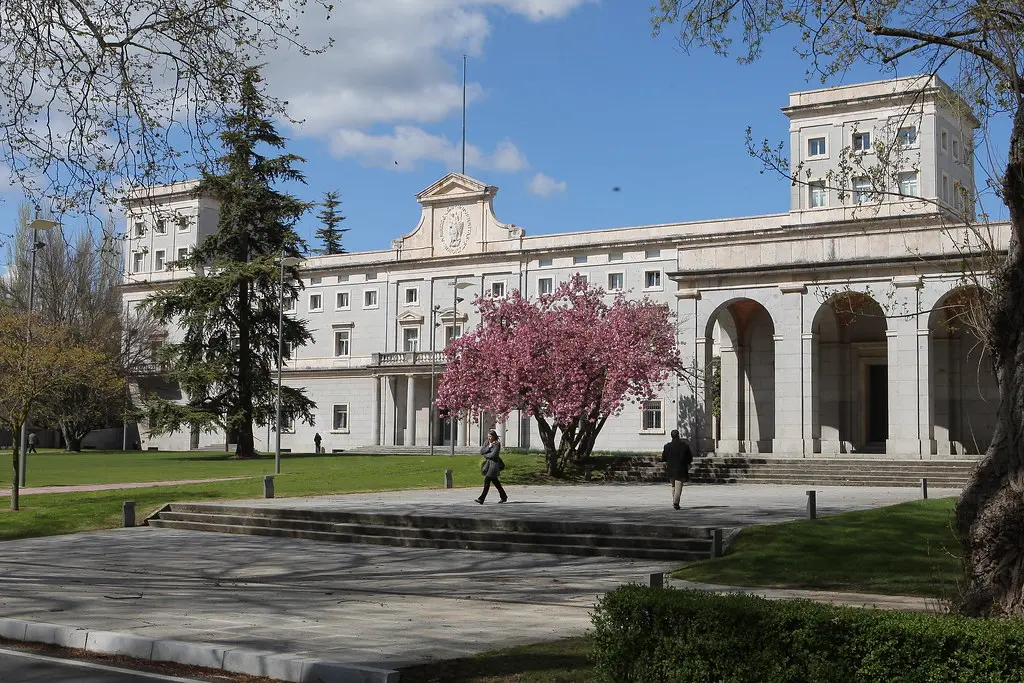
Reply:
x=463, y=114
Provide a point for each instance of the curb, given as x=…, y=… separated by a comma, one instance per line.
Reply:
x=226, y=658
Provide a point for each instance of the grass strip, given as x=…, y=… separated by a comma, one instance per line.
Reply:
x=48, y=514
x=905, y=549
x=560, y=661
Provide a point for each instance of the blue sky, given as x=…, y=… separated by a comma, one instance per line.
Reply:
x=577, y=92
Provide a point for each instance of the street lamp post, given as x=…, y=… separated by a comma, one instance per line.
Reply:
x=456, y=286
x=36, y=225
x=430, y=407
x=289, y=261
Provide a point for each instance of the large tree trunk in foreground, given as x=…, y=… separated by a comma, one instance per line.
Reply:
x=990, y=511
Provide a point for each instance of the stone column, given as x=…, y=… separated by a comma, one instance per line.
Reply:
x=410, y=410
x=390, y=389
x=463, y=431
x=925, y=392
x=377, y=409
x=941, y=376
x=693, y=415
x=906, y=376
x=789, y=373
x=732, y=382
x=811, y=394
x=501, y=429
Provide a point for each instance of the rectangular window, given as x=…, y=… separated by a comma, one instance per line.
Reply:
x=340, y=417
x=287, y=350
x=370, y=298
x=316, y=302
x=545, y=263
x=287, y=423
x=652, y=279
x=161, y=227
x=862, y=190
x=497, y=289
x=158, y=259
x=944, y=141
x=908, y=184
x=583, y=276
x=315, y=280
x=342, y=343
x=614, y=256
x=958, y=196
x=956, y=152
x=371, y=276
x=342, y=301
x=579, y=260
x=818, y=194
x=451, y=333
x=862, y=142
x=182, y=253
x=342, y=278
x=908, y=136
x=289, y=304
x=616, y=282
x=945, y=188
x=651, y=421
x=183, y=223
x=652, y=253
x=138, y=260
x=545, y=285
x=816, y=147
x=411, y=339
x=412, y=296
x=140, y=228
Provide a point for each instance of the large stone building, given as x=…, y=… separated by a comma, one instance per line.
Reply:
x=836, y=326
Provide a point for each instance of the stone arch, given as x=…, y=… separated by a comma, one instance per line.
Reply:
x=850, y=374
x=964, y=394
x=741, y=333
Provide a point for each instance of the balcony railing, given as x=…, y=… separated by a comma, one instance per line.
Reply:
x=407, y=358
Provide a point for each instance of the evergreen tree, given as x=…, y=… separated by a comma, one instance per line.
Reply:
x=228, y=313
x=330, y=234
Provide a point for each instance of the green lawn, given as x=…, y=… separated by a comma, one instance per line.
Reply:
x=906, y=549
x=59, y=513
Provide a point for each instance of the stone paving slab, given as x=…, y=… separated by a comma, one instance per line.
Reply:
x=372, y=606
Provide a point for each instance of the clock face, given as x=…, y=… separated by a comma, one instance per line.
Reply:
x=455, y=229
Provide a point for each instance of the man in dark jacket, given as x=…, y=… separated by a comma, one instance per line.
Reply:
x=677, y=458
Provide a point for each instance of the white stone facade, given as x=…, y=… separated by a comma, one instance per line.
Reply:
x=835, y=323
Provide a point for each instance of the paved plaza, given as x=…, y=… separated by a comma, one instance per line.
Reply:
x=372, y=605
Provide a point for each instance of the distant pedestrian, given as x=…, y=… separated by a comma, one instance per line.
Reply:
x=32, y=438
x=316, y=441
x=677, y=457
x=492, y=467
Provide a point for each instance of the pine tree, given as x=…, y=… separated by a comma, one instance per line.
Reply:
x=331, y=218
x=225, y=362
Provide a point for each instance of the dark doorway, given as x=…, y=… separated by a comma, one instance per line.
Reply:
x=878, y=404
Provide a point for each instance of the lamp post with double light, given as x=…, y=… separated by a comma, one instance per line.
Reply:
x=434, y=311
x=456, y=286
x=35, y=226
x=290, y=262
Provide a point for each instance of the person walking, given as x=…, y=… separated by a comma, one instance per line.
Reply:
x=316, y=441
x=677, y=457
x=492, y=467
x=32, y=439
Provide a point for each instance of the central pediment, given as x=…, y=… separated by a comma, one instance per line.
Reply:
x=457, y=219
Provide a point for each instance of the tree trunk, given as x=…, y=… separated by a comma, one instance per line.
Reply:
x=990, y=511
x=72, y=436
x=547, y=437
x=14, y=479
x=245, y=445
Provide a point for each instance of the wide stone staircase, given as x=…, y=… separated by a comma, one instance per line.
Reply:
x=846, y=471
x=565, y=537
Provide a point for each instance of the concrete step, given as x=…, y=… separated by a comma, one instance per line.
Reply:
x=453, y=544
x=472, y=537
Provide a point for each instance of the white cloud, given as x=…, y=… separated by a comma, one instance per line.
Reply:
x=409, y=145
x=394, y=62
x=544, y=186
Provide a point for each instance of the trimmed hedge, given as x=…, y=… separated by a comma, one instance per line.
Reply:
x=668, y=635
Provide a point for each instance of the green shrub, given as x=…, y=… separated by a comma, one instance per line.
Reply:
x=681, y=636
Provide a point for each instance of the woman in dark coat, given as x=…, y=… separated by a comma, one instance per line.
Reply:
x=493, y=465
